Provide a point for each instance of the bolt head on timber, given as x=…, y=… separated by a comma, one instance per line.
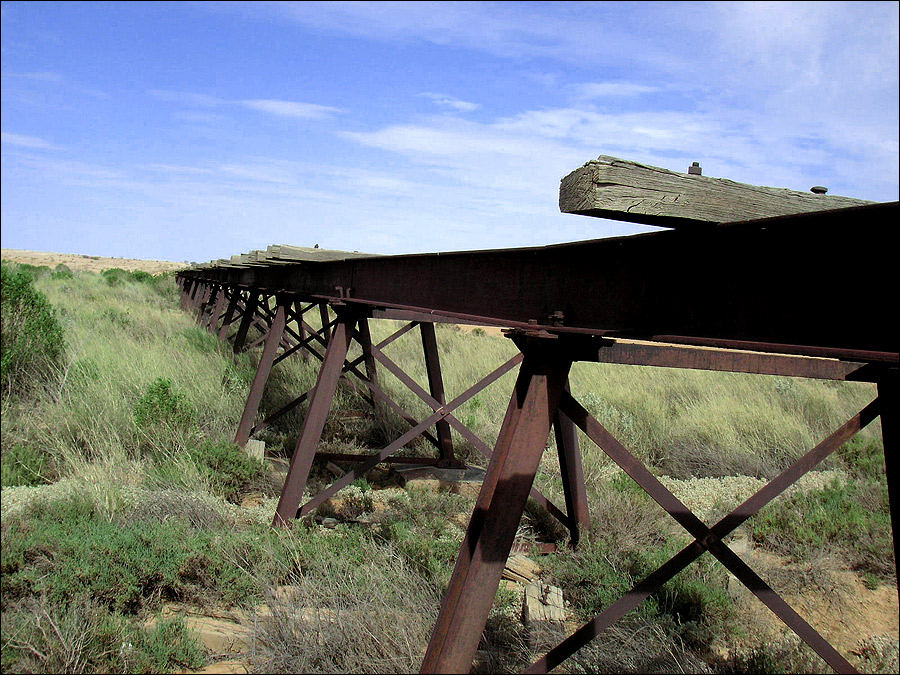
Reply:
x=818, y=189
x=694, y=169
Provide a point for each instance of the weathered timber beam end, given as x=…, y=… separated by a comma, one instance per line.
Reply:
x=618, y=189
x=305, y=254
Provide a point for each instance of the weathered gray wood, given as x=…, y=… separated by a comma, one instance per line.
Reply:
x=304, y=254
x=618, y=189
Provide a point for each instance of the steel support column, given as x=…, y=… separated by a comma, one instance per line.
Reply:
x=273, y=339
x=323, y=315
x=572, y=474
x=233, y=298
x=247, y=318
x=314, y=422
x=301, y=328
x=206, y=308
x=218, y=308
x=202, y=299
x=436, y=388
x=889, y=397
x=365, y=341
x=498, y=510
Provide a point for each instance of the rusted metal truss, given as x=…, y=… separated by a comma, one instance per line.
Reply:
x=755, y=297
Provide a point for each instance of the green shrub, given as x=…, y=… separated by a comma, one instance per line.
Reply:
x=24, y=464
x=854, y=518
x=116, y=276
x=162, y=404
x=33, y=271
x=238, y=374
x=116, y=317
x=422, y=531
x=863, y=457
x=141, y=277
x=61, y=272
x=62, y=549
x=82, y=636
x=228, y=468
x=82, y=372
x=31, y=336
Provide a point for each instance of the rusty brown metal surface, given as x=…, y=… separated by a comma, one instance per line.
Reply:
x=707, y=539
x=436, y=388
x=314, y=422
x=498, y=509
x=751, y=297
x=762, y=282
x=251, y=407
x=572, y=473
x=889, y=396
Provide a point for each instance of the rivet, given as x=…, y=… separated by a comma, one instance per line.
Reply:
x=818, y=189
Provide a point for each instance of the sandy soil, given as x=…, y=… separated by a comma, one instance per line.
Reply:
x=91, y=263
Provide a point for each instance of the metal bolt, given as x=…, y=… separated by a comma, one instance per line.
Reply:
x=694, y=169
x=818, y=189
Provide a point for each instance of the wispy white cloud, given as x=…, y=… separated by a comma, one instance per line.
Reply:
x=590, y=90
x=39, y=76
x=32, y=142
x=525, y=155
x=174, y=169
x=277, y=107
x=310, y=111
x=65, y=169
x=262, y=173
x=451, y=102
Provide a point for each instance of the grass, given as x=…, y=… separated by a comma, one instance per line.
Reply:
x=853, y=517
x=121, y=489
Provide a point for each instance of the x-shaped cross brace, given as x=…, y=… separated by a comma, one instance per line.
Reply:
x=706, y=538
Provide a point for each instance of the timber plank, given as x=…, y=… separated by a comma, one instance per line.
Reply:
x=609, y=187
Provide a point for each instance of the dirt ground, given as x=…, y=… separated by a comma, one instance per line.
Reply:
x=90, y=263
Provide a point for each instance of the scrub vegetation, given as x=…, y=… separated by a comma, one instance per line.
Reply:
x=123, y=493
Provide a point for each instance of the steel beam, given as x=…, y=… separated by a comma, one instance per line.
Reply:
x=314, y=422
x=889, y=398
x=436, y=388
x=759, y=282
x=218, y=308
x=499, y=508
x=246, y=319
x=273, y=339
x=570, y=467
x=326, y=321
x=230, y=311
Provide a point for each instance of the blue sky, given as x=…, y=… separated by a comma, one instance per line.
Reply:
x=191, y=131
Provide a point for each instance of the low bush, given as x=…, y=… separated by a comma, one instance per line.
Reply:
x=365, y=610
x=421, y=529
x=63, y=549
x=227, y=467
x=80, y=636
x=629, y=538
x=201, y=340
x=161, y=403
x=61, y=271
x=116, y=276
x=863, y=458
x=33, y=271
x=854, y=518
x=31, y=336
